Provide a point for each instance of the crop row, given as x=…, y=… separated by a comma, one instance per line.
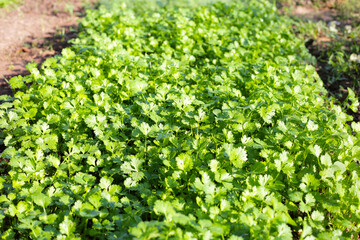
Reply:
x=178, y=121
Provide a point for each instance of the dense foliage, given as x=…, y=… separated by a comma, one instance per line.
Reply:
x=178, y=122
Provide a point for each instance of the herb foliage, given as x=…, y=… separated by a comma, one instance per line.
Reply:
x=178, y=122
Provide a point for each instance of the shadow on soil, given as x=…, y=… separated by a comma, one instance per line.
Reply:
x=50, y=47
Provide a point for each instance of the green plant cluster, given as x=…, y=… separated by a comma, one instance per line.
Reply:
x=343, y=54
x=6, y=3
x=178, y=122
x=338, y=54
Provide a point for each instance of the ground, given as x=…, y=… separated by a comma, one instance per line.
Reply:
x=316, y=20
x=34, y=31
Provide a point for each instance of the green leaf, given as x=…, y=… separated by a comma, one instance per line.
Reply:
x=164, y=207
x=22, y=207
x=339, y=166
x=41, y=199
x=17, y=82
x=67, y=226
x=68, y=53
x=95, y=200
x=353, y=99
x=284, y=232
x=105, y=182
x=326, y=160
x=237, y=156
x=317, y=216
x=184, y=162
x=145, y=128
x=87, y=210
x=356, y=126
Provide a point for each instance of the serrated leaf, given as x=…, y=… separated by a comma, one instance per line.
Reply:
x=237, y=156
x=184, y=162
x=326, y=160
x=67, y=226
x=105, y=182
x=41, y=199
x=317, y=216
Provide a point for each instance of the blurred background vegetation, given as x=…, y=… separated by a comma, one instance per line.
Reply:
x=348, y=8
x=9, y=3
x=331, y=32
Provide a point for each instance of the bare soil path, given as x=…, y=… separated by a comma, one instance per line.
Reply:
x=34, y=31
x=321, y=44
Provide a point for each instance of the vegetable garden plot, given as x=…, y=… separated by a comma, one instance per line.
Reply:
x=178, y=122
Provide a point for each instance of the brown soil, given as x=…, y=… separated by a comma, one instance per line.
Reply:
x=308, y=12
x=318, y=47
x=34, y=31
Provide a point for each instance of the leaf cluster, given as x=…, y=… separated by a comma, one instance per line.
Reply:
x=168, y=121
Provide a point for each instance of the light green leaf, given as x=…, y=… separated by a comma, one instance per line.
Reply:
x=67, y=226
x=317, y=216
x=105, y=182
x=41, y=199
x=237, y=156
x=184, y=162
x=326, y=160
